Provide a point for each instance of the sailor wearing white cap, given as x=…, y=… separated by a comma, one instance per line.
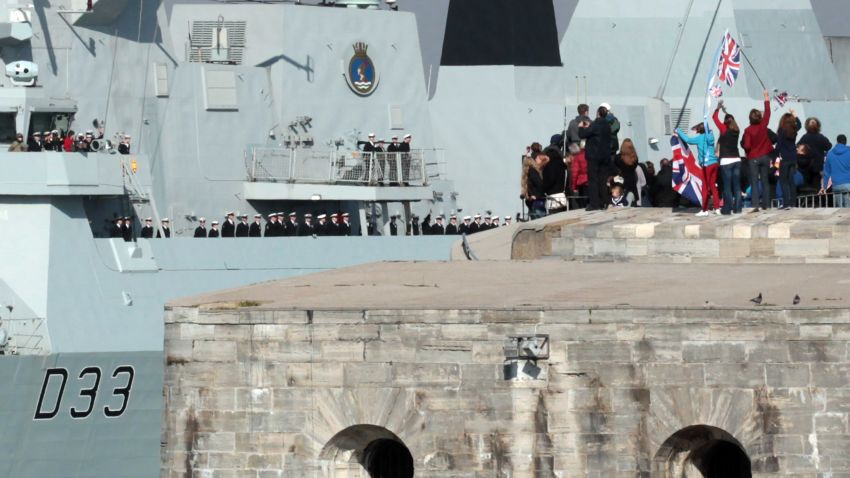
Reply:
x=201, y=230
x=476, y=224
x=124, y=145
x=307, y=228
x=242, y=227
x=165, y=228
x=321, y=228
x=228, y=229
x=394, y=144
x=507, y=220
x=268, y=229
x=256, y=227
x=345, y=226
x=464, y=228
x=452, y=227
x=147, y=229
x=214, y=232
x=368, y=146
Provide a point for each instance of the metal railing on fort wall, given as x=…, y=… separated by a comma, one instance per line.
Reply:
x=828, y=200
x=414, y=168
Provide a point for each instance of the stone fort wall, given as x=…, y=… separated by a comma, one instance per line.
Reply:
x=623, y=392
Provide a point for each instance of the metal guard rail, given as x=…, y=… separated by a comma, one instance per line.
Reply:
x=339, y=167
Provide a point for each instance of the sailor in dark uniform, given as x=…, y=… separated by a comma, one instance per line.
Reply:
x=394, y=145
x=368, y=146
x=393, y=225
x=128, y=229
x=345, y=226
x=124, y=145
x=438, y=229
x=166, y=230
x=147, y=229
x=242, y=227
x=333, y=227
x=494, y=222
x=214, y=232
x=321, y=228
x=228, y=229
x=307, y=228
x=452, y=228
x=414, y=225
x=201, y=230
x=426, y=225
x=292, y=226
x=277, y=229
x=464, y=228
x=267, y=230
x=507, y=220
x=34, y=143
x=255, y=230
x=117, y=228
x=476, y=224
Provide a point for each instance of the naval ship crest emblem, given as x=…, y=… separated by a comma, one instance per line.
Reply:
x=362, y=78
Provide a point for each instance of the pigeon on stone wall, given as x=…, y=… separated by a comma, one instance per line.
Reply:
x=756, y=300
x=796, y=299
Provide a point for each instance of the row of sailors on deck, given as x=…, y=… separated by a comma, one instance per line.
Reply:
x=470, y=225
x=67, y=143
x=278, y=225
x=371, y=145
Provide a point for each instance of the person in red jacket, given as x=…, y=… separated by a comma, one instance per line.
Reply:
x=759, y=149
x=68, y=143
x=578, y=174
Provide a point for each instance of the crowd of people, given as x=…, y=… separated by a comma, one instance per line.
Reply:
x=587, y=166
x=280, y=224
x=64, y=142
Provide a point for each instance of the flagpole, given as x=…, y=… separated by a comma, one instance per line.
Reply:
x=711, y=72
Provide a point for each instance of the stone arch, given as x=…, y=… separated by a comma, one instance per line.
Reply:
x=701, y=451
x=367, y=451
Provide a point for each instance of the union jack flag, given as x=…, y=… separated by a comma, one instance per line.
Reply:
x=781, y=98
x=730, y=61
x=687, y=175
x=716, y=92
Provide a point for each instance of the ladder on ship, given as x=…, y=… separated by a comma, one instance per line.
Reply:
x=141, y=198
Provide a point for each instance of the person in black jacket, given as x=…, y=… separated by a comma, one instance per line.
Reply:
x=663, y=194
x=34, y=144
x=255, y=230
x=214, y=232
x=786, y=146
x=128, y=229
x=201, y=230
x=812, y=157
x=598, y=154
x=242, y=228
x=535, y=193
x=147, y=229
x=369, y=146
x=117, y=228
x=166, y=229
x=452, y=228
x=307, y=228
x=555, y=176
x=426, y=225
x=228, y=229
x=267, y=229
x=345, y=226
x=438, y=229
x=292, y=225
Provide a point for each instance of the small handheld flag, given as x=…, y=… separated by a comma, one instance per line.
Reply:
x=781, y=98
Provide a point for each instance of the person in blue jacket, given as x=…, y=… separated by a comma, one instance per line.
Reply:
x=707, y=159
x=836, y=172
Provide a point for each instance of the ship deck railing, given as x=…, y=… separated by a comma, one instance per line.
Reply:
x=274, y=164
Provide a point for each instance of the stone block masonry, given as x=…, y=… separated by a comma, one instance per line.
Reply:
x=624, y=392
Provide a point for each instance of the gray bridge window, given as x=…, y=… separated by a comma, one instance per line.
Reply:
x=7, y=128
x=160, y=79
x=220, y=90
